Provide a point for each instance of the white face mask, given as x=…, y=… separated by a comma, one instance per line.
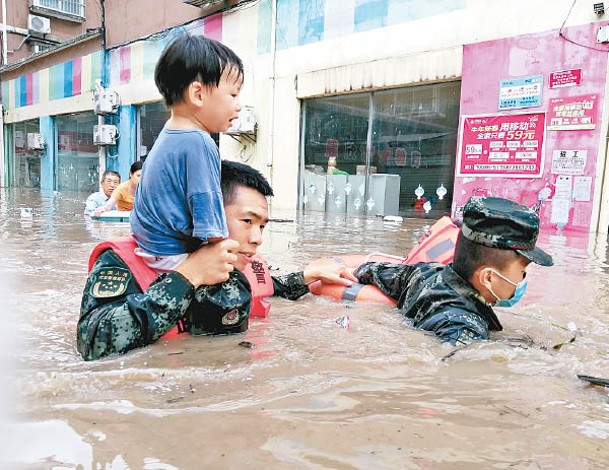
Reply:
x=521, y=288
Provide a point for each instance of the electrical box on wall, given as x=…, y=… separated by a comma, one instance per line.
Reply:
x=35, y=141
x=602, y=36
x=105, y=134
x=106, y=102
x=246, y=123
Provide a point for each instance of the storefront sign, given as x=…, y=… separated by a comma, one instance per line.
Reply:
x=572, y=113
x=502, y=146
x=565, y=78
x=569, y=162
x=517, y=93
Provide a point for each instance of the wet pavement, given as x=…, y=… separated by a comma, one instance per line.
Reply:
x=310, y=393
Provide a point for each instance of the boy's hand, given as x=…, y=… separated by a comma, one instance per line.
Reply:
x=210, y=264
x=332, y=273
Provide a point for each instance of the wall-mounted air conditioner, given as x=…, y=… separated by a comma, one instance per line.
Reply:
x=105, y=134
x=38, y=24
x=106, y=102
x=246, y=123
x=35, y=141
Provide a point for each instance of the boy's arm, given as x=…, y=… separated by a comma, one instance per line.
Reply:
x=204, y=190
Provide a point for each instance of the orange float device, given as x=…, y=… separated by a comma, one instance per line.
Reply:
x=437, y=245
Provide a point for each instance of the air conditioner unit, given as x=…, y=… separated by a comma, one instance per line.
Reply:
x=105, y=134
x=106, y=102
x=246, y=123
x=38, y=24
x=35, y=141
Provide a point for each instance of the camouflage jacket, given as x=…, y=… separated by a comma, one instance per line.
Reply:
x=435, y=297
x=116, y=316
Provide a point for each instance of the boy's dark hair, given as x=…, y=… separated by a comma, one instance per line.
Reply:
x=470, y=255
x=135, y=166
x=237, y=174
x=110, y=172
x=193, y=58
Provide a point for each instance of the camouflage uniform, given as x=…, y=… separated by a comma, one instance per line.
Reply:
x=438, y=299
x=435, y=297
x=115, y=316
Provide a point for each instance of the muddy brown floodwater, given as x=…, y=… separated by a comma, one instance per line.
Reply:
x=310, y=394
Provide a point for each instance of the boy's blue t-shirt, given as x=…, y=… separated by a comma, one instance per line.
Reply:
x=178, y=202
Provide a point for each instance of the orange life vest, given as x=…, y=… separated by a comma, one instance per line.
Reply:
x=437, y=245
x=257, y=274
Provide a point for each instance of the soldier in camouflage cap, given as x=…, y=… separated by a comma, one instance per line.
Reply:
x=496, y=244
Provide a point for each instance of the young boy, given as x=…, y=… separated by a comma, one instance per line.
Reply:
x=178, y=205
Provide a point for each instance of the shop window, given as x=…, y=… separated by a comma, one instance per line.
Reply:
x=77, y=158
x=24, y=164
x=390, y=152
x=152, y=118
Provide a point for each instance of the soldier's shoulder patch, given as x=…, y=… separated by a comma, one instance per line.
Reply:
x=110, y=282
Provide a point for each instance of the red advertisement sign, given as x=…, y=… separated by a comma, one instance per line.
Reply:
x=565, y=78
x=502, y=146
x=572, y=113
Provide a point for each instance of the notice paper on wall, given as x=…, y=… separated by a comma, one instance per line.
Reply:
x=569, y=162
x=582, y=187
x=561, y=202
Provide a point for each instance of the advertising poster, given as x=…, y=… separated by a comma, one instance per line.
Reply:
x=572, y=113
x=565, y=78
x=502, y=146
x=517, y=93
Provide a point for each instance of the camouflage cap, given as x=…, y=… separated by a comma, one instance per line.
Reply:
x=504, y=224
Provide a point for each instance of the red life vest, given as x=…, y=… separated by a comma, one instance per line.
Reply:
x=125, y=247
x=261, y=285
x=257, y=273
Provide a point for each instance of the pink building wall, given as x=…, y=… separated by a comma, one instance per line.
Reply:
x=486, y=64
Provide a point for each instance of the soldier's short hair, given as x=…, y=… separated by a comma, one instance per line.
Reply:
x=236, y=174
x=470, y=255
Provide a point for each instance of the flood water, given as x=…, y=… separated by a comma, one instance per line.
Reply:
x=310, y=394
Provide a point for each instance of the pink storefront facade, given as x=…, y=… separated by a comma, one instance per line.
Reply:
x=532, y=126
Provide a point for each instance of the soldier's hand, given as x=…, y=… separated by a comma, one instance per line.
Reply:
x=210, y=264
x=329, y=273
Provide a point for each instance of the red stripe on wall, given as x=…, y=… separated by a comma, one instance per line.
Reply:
x=29, y=89
x=76, y=75
x=125, y=66
x=213, y=27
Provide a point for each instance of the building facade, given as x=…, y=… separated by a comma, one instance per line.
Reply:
x=378, y=107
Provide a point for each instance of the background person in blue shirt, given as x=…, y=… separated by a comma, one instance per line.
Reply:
x=178, y=204
x=109, y=181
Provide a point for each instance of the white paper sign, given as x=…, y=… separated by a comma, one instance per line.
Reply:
x=582, y=186
x=564, y=187
x=560, y=211
x=569, y=162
